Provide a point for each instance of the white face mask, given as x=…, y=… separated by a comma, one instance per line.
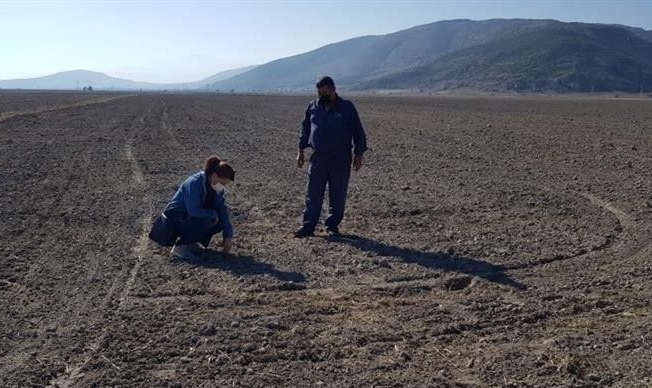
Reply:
x=219, y=188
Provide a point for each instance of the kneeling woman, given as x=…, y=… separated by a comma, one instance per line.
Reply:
x=197, y=211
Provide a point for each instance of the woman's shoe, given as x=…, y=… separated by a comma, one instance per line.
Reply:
x=184, y=252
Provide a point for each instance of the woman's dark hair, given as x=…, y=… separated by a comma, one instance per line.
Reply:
x=214, y=164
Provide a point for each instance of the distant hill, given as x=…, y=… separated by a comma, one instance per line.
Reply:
x=74, y=79
x=560, y=58
x=78, y=79
x=491, y=55
x=359, y=59
x=641, y=33
x=206, y=83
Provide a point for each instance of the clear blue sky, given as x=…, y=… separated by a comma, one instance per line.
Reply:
x=177, y=41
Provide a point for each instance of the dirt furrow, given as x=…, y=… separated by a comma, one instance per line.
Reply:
x=8, y=115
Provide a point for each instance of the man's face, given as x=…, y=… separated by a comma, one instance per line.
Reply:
x=325, y=94
x=324, y=91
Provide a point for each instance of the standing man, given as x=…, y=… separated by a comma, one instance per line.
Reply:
x=332, y=128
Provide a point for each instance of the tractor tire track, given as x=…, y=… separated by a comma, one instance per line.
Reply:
x=74, y=374
x=625, y=225
x=9, y=115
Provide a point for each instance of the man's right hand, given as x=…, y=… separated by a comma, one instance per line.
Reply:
x=301, y=159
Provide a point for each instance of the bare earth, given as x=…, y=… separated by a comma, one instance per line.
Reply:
x=491, y=242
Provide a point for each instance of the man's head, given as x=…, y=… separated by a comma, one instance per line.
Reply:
x=325, y=90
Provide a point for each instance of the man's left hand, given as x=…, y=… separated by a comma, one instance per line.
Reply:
x=357, y=162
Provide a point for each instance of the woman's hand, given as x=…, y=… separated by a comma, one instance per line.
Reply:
x=227, y=244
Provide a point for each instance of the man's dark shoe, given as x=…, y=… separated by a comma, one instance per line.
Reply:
x=333, y=231
x=303, y=233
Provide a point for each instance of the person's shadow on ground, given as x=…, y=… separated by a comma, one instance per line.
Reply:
x=240, y=265
x=443, y=261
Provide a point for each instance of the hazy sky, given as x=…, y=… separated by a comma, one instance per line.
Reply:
x=176, y=41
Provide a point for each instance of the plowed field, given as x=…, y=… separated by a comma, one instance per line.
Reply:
x=488, y=242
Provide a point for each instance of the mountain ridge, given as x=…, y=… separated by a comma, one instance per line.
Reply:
x=429, y=58
x=78, y=79
x=494, y=55
x=559, y=59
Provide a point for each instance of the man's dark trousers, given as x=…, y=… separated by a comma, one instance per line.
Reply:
x=336, y=173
